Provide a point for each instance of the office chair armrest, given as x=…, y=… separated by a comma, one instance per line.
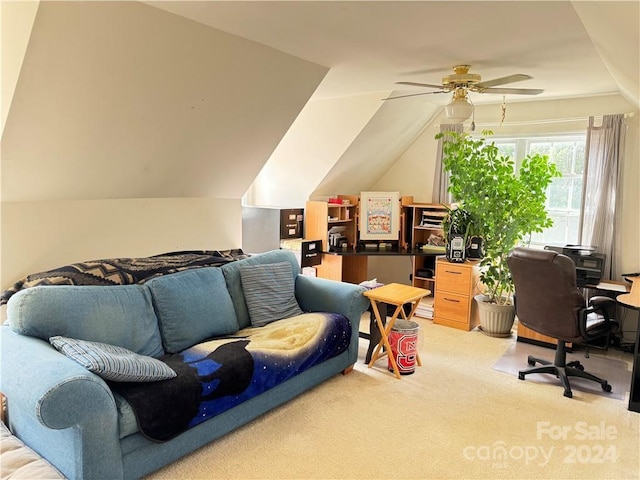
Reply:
x=597, y=304
x=601, y=301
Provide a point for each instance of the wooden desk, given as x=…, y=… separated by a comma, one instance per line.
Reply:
x=351, y=264
x=398, y=295
x=632, y=300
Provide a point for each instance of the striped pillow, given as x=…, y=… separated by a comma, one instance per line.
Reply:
x=269, y=292
x=112, y=362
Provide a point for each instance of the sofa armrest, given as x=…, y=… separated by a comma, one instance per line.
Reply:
x=55, y=406
x=321, y=295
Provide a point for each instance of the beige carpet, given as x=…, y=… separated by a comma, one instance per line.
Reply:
x=454, y=418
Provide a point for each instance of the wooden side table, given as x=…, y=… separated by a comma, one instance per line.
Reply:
x=398, y=295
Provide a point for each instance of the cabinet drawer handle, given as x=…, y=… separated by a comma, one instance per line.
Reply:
x=451, y=300
x=455, y=273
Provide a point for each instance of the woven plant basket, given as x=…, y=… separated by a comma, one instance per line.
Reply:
x=495, y=320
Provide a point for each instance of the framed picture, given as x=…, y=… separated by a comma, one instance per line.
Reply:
x=379, y=215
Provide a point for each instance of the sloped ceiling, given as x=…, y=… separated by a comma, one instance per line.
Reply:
x=614, y=30
x=372, y=153
x=146, y=99
x=571, y=49
x=123, y=100
x=369, y=45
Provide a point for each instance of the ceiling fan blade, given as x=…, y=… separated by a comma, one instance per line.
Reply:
x=505, y=91
x=518, y=77
x=414, y=84
x=413, y=95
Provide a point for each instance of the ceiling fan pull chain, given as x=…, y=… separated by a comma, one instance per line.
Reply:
x=503, y=107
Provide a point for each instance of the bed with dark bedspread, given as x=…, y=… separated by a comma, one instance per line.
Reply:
x=123, y=271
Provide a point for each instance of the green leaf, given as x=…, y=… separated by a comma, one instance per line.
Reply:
x=506, y=206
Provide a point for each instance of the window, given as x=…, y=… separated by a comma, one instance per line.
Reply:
x=564, y=195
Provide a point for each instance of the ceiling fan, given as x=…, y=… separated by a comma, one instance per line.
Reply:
x=461, y=82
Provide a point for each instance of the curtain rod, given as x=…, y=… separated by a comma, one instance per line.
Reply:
x=544, y=122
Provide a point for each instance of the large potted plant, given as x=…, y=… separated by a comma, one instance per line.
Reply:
x=507, y=206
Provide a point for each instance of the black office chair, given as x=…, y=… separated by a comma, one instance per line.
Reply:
x=548, y=301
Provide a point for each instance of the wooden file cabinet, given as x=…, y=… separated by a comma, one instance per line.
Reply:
x=456, y=285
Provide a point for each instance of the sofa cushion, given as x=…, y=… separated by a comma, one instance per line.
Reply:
x=127, y=423
x=120, y=315
x=19, y=461
x=234, y=282
x=192, y=306
x=112, y=362
x=269, y=292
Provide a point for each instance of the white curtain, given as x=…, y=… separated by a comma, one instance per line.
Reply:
x=601, y=195
x=441, y=177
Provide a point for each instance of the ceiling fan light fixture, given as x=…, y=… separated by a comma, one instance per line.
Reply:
x=459, y=109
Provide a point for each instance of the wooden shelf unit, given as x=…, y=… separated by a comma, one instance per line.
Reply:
x=420, y=234
x=320, y=217
x=347, y=265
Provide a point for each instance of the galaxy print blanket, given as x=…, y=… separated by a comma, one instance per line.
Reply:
x=219, y=374
x=124, y=271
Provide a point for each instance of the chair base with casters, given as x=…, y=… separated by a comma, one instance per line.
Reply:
x=548, y=301
x=562, y=370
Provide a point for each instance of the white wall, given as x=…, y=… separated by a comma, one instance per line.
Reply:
x=310, y=148
x=374, y=151
x=16, y=20
x=123, y=100
x=39, y=236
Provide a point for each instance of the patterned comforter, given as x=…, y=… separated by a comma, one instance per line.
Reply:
x=123, y=271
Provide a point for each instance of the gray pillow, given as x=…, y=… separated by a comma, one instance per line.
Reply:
x=112, y=362
x=269, y=292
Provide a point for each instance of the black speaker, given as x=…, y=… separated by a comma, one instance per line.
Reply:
x=476, y=248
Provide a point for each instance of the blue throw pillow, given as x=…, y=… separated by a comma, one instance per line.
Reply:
x=112, y=362
x=269, y=292
x=192, y=306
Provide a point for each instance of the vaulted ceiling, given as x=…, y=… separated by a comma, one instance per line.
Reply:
x=178, y=99
x=570, y=48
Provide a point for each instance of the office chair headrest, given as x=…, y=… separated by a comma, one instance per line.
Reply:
x=546, y=256
x=534, y=254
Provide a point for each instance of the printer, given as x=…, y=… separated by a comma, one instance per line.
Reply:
x=589, y=265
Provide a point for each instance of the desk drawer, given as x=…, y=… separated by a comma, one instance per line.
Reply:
x=453, y=278
x=452, y=307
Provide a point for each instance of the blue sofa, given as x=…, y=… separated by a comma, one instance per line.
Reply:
x=85, y=426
